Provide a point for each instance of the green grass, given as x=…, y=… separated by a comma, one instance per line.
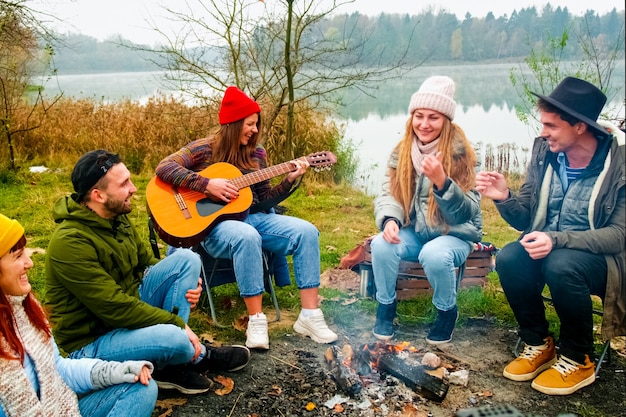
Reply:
x=343, y=215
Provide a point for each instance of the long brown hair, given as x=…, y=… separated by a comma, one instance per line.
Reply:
x=458, y=160
x=228, y=148
x=36, y=315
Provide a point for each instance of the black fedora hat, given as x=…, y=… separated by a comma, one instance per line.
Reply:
x=580, y=99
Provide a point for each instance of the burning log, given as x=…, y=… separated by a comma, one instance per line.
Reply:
x=414, y=376
x=339, y=364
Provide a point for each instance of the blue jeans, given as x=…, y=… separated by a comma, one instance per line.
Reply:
x=120, y=400
x=572, y=276
x=439, y=257
x=164, y=286
x=244, y=242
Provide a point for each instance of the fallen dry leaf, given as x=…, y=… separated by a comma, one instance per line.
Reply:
x=310, y=406
x=331, y=248
x=241, y=323
x=276, y=391
x=168, y=405
x=338, y=408
x=226, y=382
x=209, y=338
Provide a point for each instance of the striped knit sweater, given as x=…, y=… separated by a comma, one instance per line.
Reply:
x=182, y=167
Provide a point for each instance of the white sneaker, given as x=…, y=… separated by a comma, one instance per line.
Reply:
x=315, y=327
x=256, y=335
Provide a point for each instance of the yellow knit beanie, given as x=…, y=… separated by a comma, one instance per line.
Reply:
x=10, y=233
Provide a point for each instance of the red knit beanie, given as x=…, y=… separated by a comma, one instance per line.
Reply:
x=236, y=105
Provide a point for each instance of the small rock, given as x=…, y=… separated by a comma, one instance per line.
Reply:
x=459, y=377
x=431, y=360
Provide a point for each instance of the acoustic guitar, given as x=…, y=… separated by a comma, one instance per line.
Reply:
x=183, y=217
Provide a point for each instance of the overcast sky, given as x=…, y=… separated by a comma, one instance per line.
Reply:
x=134, y=19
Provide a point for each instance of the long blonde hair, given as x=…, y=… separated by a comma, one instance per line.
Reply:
x=459, y=162
x=226, y=146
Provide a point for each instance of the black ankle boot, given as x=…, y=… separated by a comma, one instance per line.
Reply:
x=385, y=313
x=441, y=332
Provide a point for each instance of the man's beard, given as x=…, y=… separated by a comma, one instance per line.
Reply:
x=117, y=207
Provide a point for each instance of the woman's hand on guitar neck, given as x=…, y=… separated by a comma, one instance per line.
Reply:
x=300, y=165
x=221, y=189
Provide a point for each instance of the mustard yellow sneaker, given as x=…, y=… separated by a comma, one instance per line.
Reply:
x=531, y=362
x=565, y=377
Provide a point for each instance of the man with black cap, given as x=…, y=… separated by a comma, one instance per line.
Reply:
x=572, y=211
x=110, y=298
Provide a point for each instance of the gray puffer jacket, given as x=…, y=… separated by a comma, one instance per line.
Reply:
x=460, y=210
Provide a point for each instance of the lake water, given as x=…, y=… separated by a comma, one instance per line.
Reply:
x=374, y=123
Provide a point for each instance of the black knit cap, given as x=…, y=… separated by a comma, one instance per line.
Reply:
x=90, y=168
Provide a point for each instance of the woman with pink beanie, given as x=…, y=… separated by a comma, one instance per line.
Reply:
x=237, y=141
x=428, y=210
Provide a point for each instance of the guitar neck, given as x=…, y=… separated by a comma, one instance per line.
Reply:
x=262, y=174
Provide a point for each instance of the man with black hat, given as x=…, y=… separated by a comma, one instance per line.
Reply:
x=572, y=212
x=110, y=298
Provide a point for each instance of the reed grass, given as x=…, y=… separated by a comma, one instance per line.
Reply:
x=144, y=133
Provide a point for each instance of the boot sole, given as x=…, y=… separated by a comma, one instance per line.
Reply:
x=565, y=390
x=531, y=375
x=181, y=389
x=382, y=336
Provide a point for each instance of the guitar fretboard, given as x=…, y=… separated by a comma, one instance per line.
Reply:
x=263, y=174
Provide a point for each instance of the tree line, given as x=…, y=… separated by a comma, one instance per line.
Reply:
x=433, y=37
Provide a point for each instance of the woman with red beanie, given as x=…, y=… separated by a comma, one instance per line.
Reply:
x=237, y=142
x=34, y=378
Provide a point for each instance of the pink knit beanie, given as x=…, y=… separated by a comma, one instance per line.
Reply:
x=435, y=93
x=236, y=105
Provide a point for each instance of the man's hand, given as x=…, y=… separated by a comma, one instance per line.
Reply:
x=390, y=233
x=195, y=341
x=492, y=184
x=537, y=244
x=193, y=296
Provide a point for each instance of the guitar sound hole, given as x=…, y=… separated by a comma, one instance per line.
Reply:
x=207, y=207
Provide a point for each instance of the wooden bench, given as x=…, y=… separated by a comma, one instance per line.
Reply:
x=412, y=279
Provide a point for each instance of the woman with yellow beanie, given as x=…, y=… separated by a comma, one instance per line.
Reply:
x=50, y=388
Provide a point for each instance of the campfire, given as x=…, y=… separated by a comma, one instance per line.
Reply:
x=421, y=371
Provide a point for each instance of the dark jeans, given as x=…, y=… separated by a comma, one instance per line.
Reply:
x=572, y=277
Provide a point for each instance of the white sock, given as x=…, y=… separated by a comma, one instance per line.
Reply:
x=260, y=315
x=309, y=312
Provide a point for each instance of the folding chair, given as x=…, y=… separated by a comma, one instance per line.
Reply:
x=221, y=272
x=606, y=348
x=216, y=272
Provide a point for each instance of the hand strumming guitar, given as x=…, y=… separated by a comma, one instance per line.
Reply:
x=221, y=189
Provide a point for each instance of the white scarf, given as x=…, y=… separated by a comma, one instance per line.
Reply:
x=419, y=150
x=17, y=395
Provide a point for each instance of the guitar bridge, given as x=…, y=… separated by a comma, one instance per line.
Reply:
x=182, y=205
